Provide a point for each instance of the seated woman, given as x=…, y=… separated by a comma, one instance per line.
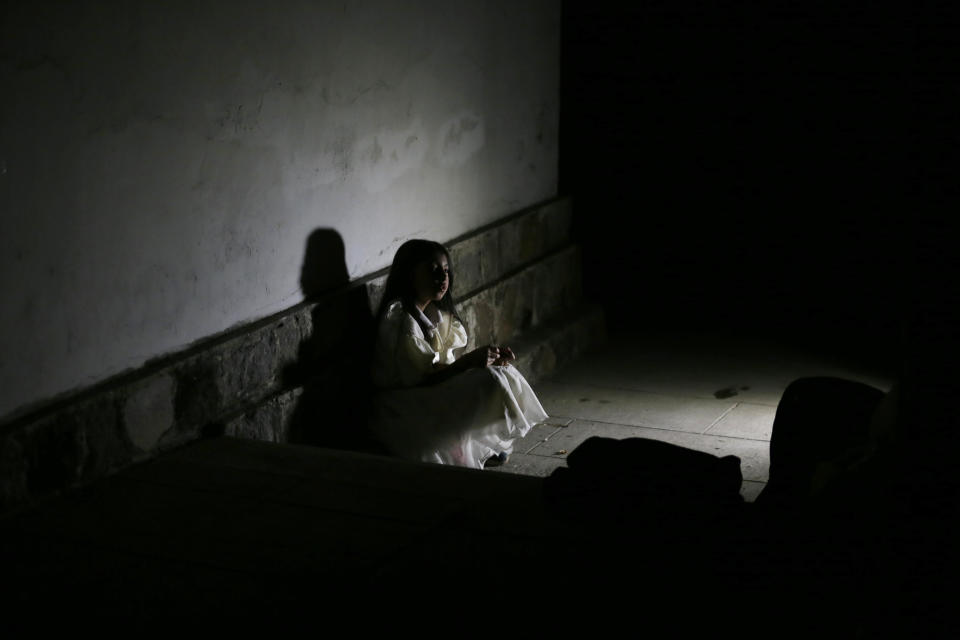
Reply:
x=432, y=406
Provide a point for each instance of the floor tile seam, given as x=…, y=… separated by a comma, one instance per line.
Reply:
x=733, y=437
x=744, y=439
x=529, y=452
x=720, y=418
x=692, y=433
x=557, y=430
x=635, y=390
x=760, y=404
x=552, y=456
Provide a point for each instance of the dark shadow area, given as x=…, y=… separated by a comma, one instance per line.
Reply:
x=853, y=536
x=748, y=168
x=333, y=367
x=787, y=171
x=634, y=481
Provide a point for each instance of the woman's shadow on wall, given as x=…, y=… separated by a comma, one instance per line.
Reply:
x=333, y=364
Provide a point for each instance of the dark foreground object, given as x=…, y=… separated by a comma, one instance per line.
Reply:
x=234, y=533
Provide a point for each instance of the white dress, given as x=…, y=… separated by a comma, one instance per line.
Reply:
x=463, y=420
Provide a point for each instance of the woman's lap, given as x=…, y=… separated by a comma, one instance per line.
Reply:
x=477, y=407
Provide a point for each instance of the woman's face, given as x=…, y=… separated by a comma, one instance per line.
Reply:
x=431, y=279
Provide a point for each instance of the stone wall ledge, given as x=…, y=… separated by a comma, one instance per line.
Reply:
x=524, y=303
x=482, y=256
x=542, y=351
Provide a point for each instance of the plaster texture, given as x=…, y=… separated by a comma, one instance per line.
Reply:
x=163, y=163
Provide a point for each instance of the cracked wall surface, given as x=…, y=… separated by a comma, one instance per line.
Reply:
x=163, y=164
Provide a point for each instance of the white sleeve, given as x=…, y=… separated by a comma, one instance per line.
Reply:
x=403, y=356
x=415, y=358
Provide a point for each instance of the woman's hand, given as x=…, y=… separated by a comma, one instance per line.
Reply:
x=490, y=355
x=506, y=355
x=480, y=357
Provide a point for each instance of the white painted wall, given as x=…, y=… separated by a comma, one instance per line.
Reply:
x=162, y=163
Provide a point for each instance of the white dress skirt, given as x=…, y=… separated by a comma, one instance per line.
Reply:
x=463, y=420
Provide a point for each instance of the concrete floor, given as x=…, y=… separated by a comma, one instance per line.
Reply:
x=716, y=394
x=242, y=531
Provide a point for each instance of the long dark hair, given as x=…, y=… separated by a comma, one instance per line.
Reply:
x=400, y=281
